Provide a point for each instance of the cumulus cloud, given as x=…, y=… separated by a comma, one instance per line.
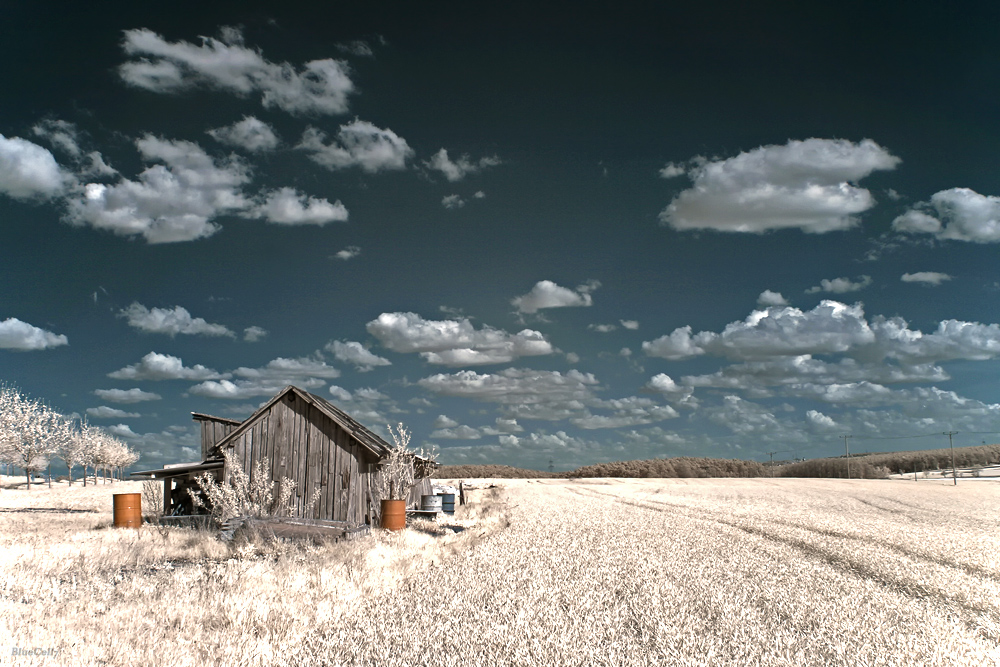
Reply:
x=602, y=328
x=282, y=371
x=134, y=395
x=820, y=421
x=169, y=202
x=170, y=321
x=926, y=277
x=243, y=389
x=104, y=412
x=18, y=335
x=631, y=325
x=249, y=134
x=840, y=285
x=516, y=386
x=155, y=366
x=547, y=294
x=830, y=327
x=350, y=252
x=353, y=352
x=123, y=431
x=805, y=185
x=457, y=432
x=458, y=169
x=254, y=334
x=317, y=87
x=357, y=144
x=288, y=206
x=629, y=411
x=672, y=170
x=768, y=298
x=958, y=214
x=455, y=342
x=28, y=170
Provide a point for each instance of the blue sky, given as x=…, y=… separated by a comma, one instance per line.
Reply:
x=562, y=234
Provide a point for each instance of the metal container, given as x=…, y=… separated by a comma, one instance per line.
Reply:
x=128, y=510
x=430, y=503
x=394, y=514
x=447, y=502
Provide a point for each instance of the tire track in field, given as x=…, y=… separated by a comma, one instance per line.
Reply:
x=972, y=614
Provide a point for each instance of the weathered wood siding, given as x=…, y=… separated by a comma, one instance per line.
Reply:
x=212, y=432
x=331, y=471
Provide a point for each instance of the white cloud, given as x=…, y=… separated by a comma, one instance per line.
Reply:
x=768, y=298
x=243, y=389
x=353, y=352
x=672, y=170
x=458, y=169
x=547, y=294
x=61, y=134
x=357, y=47
x=254, y=334
x=282, y=371
x=104, y=412
x=123, y=431
x=155, y=366
x=663, y=383
x=630, y=411
x=18, y=335
x=340, y=393
x=806, y=185
x=319, y=86
x=350, y=252
x=926, y=277
x=443, y=421
x=458, y=432
x=27, y=170
x=135, y=395
x=745, y=417
x=631, y=325
x=455, y=342
x=249, y=134
x=960, y=214
x=840, y=285
x=358, y=144
x=479, y=194
x=168, y=203
x=452, y=201
x=516, y=386
x=602, y=328
x=288, y=206
x=830, y=327
x=953, y=339
x=170, y=321
x=820, y=421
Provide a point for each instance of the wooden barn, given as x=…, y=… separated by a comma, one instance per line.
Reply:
x=333, y=459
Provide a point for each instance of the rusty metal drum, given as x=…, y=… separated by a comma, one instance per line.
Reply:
x=128, y=510
x=394, y=514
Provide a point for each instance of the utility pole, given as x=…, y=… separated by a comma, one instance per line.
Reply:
x=771, y=454
x=550, y=466
x=847, y=452
x=954, y=470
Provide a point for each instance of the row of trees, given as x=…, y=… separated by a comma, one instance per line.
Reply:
x=684, y=466
x=32, y=434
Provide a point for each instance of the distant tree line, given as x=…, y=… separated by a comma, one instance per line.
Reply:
x=677, y=467
x=32, y=434
x=867, y=466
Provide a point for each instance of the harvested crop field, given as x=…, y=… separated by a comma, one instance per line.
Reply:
x=552, y=572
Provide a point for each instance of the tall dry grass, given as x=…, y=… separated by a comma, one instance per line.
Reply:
x=548, y=572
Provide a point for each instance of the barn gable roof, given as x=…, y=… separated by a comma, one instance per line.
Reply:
x=201, y=417
x=355, y=429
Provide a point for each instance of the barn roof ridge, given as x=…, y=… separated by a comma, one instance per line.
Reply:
x=201, y=416
x=358, y=431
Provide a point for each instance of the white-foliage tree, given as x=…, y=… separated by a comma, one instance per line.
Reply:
x=399, y=468
x=30, y=431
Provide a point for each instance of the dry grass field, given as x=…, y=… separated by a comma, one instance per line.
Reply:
x=546, y=572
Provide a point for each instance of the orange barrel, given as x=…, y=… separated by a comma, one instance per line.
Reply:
x=128, y=510
x=430, y=503
x=394, y=514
